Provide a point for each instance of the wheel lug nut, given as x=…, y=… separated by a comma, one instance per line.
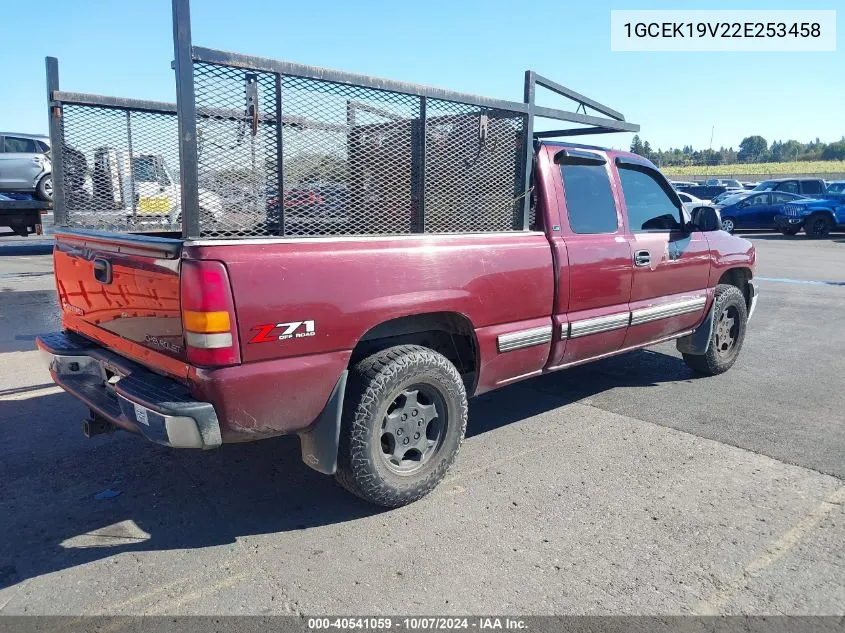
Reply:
x=399, y=431
x=414, y=412
x=406, y=441
x=404, y=416
x=416, y=436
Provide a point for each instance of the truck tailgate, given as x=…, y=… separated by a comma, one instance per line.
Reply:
x=124, y=285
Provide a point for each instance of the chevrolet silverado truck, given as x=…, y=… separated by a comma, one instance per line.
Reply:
x=473, y=253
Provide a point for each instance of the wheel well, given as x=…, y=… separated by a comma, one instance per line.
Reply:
x=738, y=277
x=825, y=212
x=447, y=333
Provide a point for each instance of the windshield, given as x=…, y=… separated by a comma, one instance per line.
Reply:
x=836, y=187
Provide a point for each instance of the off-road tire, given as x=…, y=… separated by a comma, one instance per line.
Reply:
x=818, y=226
x=44, y=190
x=729, y=299
x=372, y=387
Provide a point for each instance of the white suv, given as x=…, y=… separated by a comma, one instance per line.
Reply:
x=25, y=164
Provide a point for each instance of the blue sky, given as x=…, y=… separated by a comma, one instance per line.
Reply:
x=124, y=48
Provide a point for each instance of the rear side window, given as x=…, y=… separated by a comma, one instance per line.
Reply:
x=649, y=206
x=589, y=201
x=812, y=186
x=760, y=200
x=781, y=197
x=21, y=145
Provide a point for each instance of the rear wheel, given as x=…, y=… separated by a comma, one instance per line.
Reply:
x=818, y=226
x=403, y=422
x=728, y=225
x=730, y=317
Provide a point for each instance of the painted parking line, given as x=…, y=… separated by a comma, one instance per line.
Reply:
x=801, y=281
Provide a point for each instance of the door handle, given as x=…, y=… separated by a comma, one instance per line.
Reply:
x=642, y=258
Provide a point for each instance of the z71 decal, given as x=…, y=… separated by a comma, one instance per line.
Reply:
x=293, y=329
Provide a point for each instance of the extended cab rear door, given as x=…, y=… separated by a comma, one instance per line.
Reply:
x=593, y=257
x=671, y=267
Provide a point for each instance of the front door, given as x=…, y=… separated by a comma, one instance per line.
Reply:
x=756, y=212
x=671, y=267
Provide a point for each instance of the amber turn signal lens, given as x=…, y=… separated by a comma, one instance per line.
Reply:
x=206, y=322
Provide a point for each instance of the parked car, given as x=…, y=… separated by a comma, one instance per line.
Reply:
x=680, y=184
x=25, y=164
x=705, y=192
x=817, y=216
x=730, y=194
x=728, y=183
x=754, y=211
x=803, y=186
x=691, y=203
x=750, y=185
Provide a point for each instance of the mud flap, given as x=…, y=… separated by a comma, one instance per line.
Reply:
x=319, y=443
x=698, y=342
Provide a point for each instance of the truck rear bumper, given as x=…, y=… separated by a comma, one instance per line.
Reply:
x=129, y=396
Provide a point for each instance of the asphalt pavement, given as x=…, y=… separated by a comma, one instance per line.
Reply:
x=623, y=486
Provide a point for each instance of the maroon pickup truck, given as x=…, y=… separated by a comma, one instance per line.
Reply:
x=364, y=323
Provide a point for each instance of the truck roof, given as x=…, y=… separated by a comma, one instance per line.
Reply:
x=615, y=152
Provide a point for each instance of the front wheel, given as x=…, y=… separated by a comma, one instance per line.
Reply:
x=818, y=226
x=730, y=318
x=728, y=225
x=404, y=418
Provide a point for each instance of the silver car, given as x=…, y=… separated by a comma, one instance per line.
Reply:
x=25, y=164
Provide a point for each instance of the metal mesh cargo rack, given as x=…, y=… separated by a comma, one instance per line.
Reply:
x=256, y=147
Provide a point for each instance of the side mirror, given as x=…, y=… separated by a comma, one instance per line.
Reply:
x=705, y=219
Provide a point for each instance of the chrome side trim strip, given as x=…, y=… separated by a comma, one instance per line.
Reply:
x=575, y=363
x=644, y=315
x=595, y=325
x=526, y=338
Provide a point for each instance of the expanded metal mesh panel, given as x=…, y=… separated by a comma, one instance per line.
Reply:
x=355, y=160
x=237, y=150
x=121, y=169
x=473, y=169
x=347, y=159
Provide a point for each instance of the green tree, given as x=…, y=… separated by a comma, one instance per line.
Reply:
x=752, y=148
x=834, y=151
x=637, y=145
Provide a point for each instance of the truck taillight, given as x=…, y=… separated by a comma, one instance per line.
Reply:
x=208, y=315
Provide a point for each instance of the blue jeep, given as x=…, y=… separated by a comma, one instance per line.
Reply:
x=817, y=216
